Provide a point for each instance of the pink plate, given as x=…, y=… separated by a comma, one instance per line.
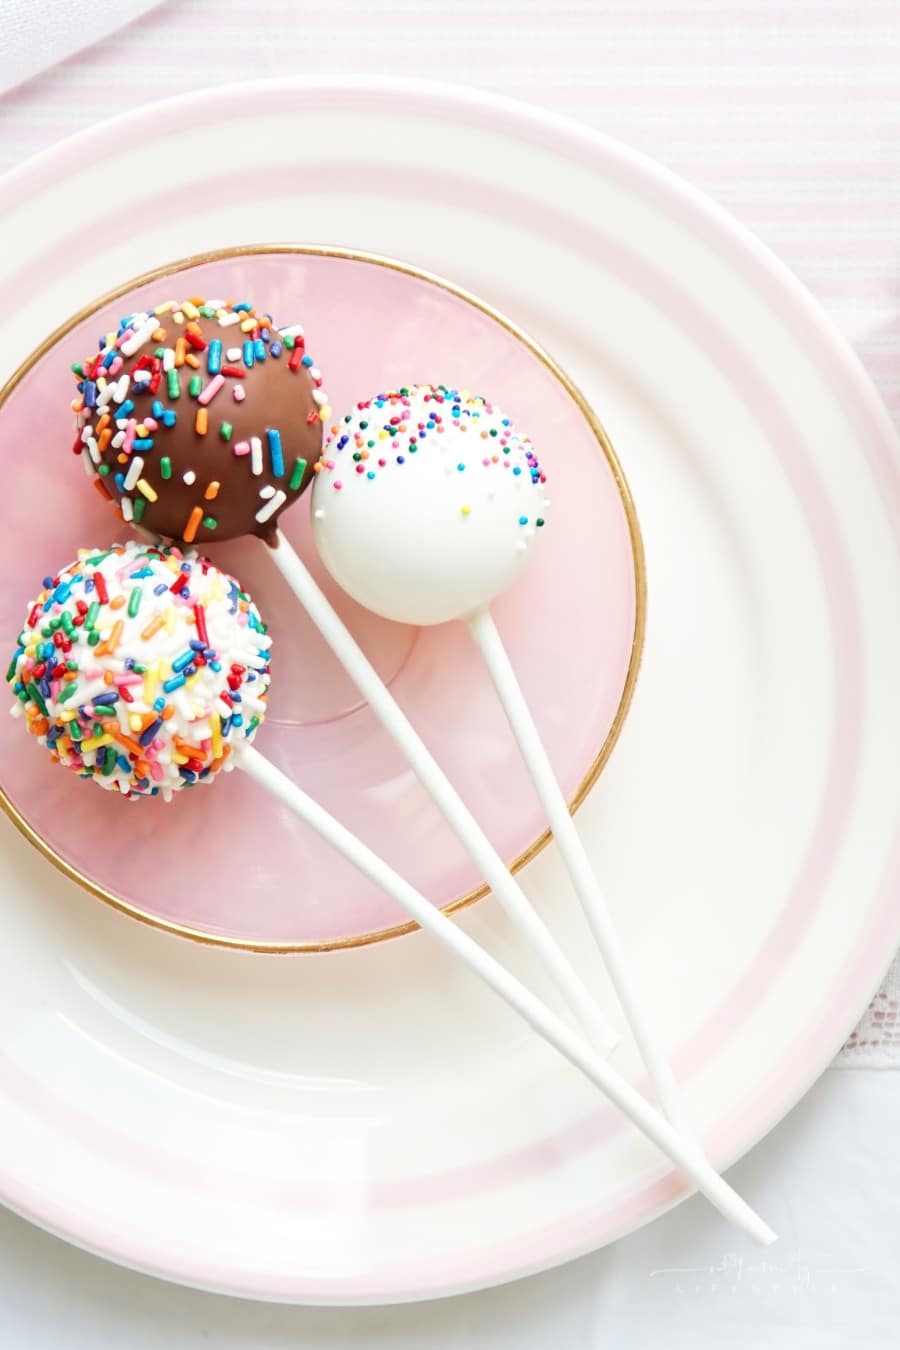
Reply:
x=228, y=865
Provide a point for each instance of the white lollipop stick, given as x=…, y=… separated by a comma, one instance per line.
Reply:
x=484, y=631
x=682, y=1152
x=489, y=863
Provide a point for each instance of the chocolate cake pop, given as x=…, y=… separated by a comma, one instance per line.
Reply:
x=201, y=419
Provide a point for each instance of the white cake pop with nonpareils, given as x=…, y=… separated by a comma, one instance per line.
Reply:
x=427, y=503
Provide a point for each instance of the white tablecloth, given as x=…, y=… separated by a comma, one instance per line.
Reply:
x=788, y=114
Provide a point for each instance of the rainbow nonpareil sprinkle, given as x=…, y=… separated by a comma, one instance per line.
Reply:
x=382, y=433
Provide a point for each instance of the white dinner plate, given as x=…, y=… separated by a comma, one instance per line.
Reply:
x=371, y=1125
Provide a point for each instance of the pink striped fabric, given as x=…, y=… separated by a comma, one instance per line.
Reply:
x=788, y=115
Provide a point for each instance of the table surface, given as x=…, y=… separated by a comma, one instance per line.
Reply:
x=788, y=115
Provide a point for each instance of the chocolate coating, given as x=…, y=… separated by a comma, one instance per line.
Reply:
x=257, y=453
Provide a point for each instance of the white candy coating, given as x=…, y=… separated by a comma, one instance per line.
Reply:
x=427, y=504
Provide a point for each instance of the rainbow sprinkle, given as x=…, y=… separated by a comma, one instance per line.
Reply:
x=141, y=667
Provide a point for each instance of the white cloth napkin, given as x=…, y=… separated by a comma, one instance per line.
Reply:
x=36, y=34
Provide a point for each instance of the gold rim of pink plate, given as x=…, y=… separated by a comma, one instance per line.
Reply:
x=637, y=549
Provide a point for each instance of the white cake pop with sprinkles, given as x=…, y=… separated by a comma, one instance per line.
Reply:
x=142, y=668
x=427, y=503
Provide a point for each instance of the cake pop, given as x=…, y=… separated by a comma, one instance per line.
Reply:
x=140, y=667
x=204, y=422
x=426, y=507
x=146, y=669
x=427, y=503
x=201, y=419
